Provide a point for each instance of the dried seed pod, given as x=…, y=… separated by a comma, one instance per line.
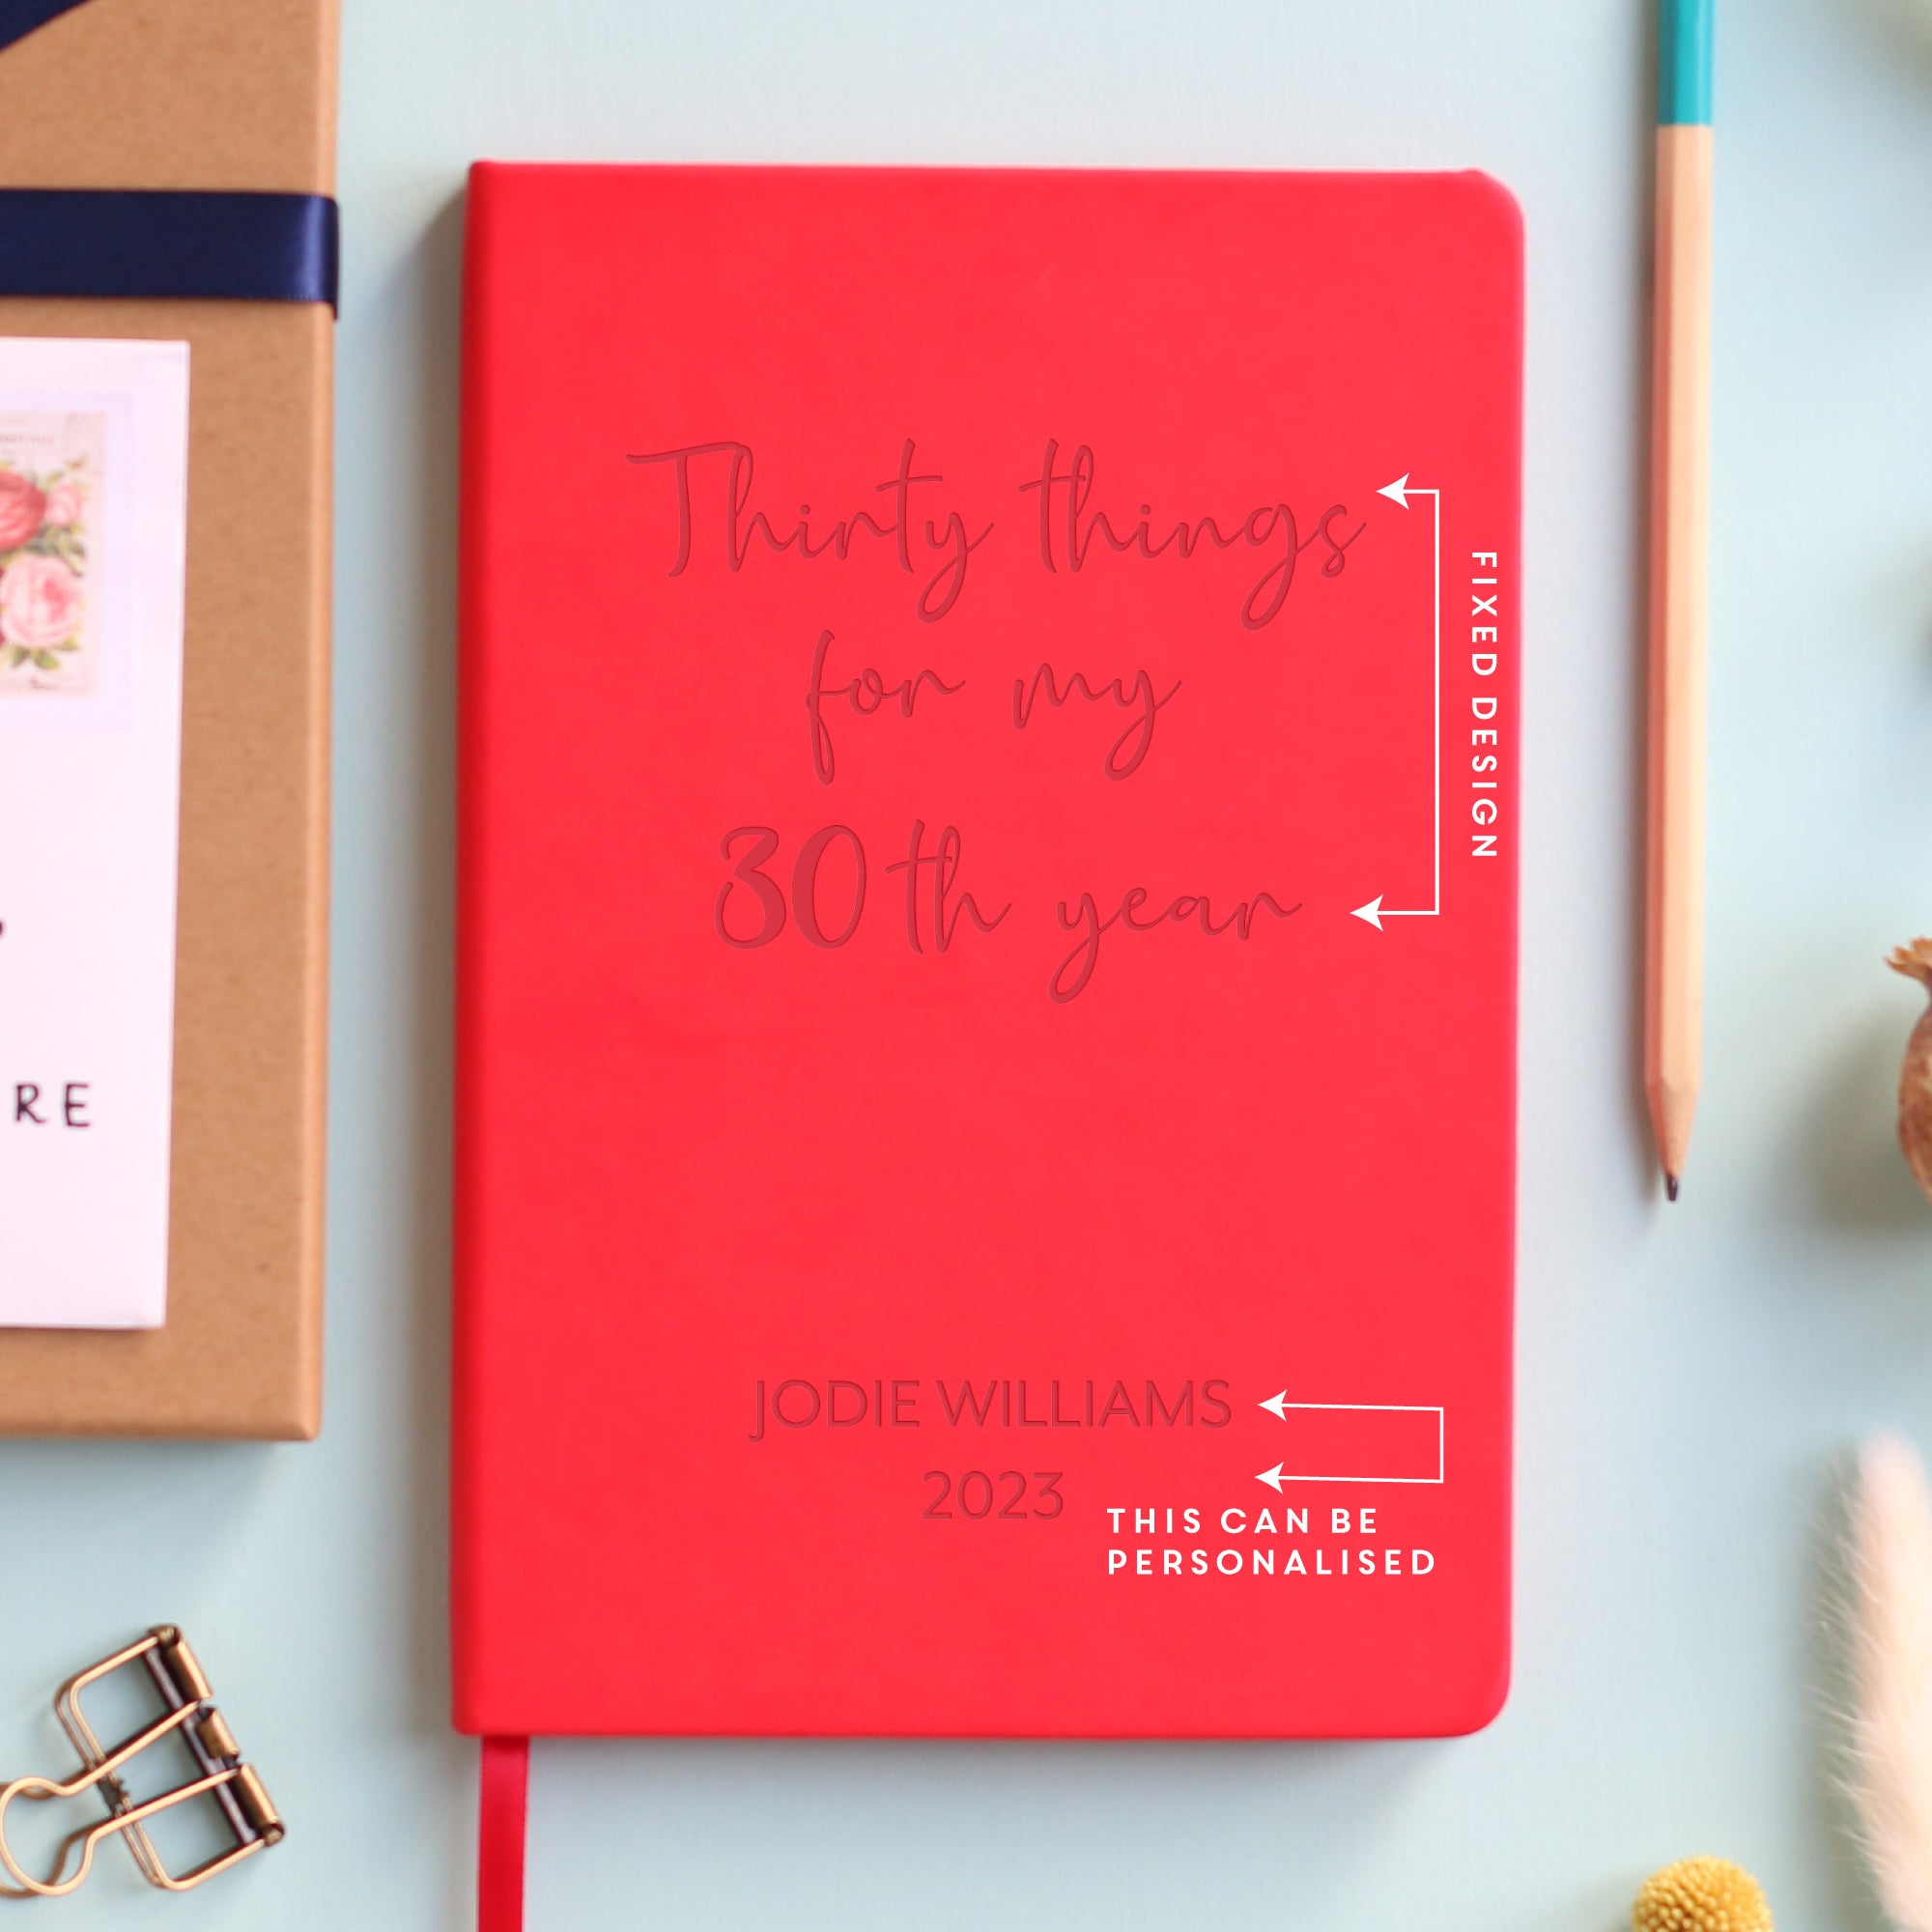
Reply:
x=1700, y=1895
x=1915, y=1077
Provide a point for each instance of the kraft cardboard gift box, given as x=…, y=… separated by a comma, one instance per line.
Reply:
x=224, y=94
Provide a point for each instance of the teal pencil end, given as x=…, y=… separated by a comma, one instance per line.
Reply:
x=1684, y=62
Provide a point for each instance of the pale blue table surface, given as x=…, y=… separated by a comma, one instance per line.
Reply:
x=1690, y=1378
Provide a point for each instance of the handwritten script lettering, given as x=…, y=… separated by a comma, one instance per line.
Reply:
x=944, y=864
x=1070, y=975
x=811, y=886
x=865, y=694
x=1133, y=740
x=1268, y=525
x=950, y=543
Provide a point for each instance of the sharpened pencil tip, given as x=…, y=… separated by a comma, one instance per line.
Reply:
x=1670, y=1185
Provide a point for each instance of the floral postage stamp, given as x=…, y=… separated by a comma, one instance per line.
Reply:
x=52, y=465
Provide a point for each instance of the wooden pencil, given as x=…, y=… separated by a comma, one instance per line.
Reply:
x=1679, y=524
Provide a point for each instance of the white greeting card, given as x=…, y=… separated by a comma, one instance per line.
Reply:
x=93, y=562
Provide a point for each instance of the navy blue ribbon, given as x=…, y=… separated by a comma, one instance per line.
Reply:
x=19, y=17
x=153, y=244
x=149, y=244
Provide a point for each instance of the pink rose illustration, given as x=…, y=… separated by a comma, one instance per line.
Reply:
x=64, y=505
x=39, y=602
x=21, y=507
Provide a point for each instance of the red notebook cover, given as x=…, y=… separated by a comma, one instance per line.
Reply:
x=987, y=1010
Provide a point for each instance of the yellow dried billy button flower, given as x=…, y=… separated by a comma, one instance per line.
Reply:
x=1700, y=1895
x=1915, y=1077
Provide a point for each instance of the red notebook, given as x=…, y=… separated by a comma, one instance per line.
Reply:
x=989, y=853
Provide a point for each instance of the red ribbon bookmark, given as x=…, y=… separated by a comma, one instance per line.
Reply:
x=500, y=1837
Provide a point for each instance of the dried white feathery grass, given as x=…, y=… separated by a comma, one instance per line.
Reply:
x=1913, y=18
x=1891, y=1666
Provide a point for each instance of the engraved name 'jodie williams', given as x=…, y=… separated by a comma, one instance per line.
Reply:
x=799, y=1402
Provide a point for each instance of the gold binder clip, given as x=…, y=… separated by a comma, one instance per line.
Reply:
x=188, y=1713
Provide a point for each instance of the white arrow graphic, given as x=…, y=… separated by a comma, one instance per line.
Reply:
x=1375, y=912
x=1279, y=1407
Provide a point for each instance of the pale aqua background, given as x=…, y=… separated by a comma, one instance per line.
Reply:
x=1689, y=1377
